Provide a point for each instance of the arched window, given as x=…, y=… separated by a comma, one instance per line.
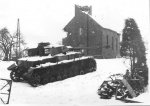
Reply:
x=116, y=44
x=107, y=40
x=80, y=31
x=112, y=43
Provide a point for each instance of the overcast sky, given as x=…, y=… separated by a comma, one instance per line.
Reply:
x=43, y=20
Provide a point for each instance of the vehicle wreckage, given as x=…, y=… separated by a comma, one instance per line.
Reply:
x=121, y=87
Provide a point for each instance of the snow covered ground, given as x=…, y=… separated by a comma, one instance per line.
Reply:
x=80, y=90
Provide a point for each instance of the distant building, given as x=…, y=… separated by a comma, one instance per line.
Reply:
x=83, y=31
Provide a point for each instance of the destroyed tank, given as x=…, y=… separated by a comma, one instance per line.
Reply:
x=48, y=63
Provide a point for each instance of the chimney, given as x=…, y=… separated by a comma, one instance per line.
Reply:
x=90, y=10
x=77, y=10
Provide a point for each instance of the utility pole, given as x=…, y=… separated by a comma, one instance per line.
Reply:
x=18, y=40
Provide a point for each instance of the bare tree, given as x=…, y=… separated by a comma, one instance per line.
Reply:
x=8, y=42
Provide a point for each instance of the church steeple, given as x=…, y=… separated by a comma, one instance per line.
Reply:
x=86, y=9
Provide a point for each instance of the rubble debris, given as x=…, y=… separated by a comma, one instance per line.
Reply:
x=121, y=87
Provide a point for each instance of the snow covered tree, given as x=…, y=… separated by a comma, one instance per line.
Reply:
x=133, y=46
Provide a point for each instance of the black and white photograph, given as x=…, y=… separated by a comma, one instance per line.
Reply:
x=74, y=52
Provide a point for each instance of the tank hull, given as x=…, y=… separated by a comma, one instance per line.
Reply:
x=51, y=72
x=60, y=71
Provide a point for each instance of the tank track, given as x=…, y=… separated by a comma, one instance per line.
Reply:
x=51, y=72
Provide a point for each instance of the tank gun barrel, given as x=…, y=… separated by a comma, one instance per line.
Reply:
x=95, y=47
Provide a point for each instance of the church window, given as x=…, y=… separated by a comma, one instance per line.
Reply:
x=112, y=43
x=80, y=31
x=107, y=40
x=116, y=44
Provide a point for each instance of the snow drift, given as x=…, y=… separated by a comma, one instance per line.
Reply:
x=80, y=90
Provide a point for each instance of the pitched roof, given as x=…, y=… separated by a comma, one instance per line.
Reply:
x=73, y=20
x=69, y=24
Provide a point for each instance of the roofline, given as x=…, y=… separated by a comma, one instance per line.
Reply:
x=111, y=30
x=68, y=23
x=93, y=20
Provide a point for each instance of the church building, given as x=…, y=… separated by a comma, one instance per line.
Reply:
x=84, y=32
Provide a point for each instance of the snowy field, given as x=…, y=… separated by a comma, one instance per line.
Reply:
x=80, y=90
